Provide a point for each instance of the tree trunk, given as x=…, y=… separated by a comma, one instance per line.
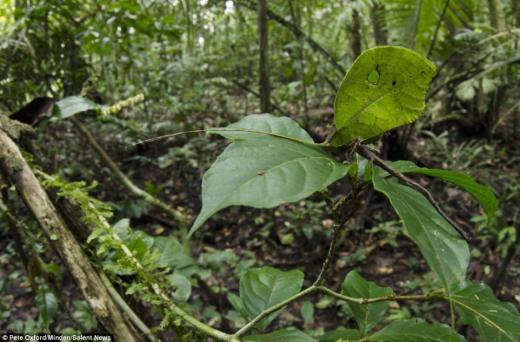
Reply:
x=296, y=18
x=497, y=20
x=265, y=87
x=298, y=32
x=496, y=15
x=355, y=35
x=377, y=16
x=18, y=172
x=515, y=6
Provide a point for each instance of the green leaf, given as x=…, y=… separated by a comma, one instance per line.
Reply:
x=236, y=303
x=384, y=89
x=482, y=193
x=492, y=319
x=341, y=334
x=172, y=254
x=258, y=125
x=47, y=304
x=264, y=287
x=265, y=172
x=307, y=311
x=72, y=105
x=284, y=335
x=416, y=331
x=440, y=244
x=182, y=286
x=366, y=315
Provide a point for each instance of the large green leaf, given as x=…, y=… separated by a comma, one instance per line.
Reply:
x=73, y=105
x=440, y=244
x=366, y=315
x=482, y=193
x=264, y=287
x=384, y=89
x=416, y=331
x=264, y=172
x=494, y=320
x=257, y=125
x=284, y=335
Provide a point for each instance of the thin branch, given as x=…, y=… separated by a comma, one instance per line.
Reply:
x=298, y=33
x=17, y=171
x=367, y=153
x=437, y=28
x=273, y=309
x=330, y=254
x=392, y=297
x=176, y=214
x=127, y=309
x=155, y=287
x=274, y=103
x=318, y=288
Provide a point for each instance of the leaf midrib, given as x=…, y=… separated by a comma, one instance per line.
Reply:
x=255, y=176
x=362, y=109
x=478, y=313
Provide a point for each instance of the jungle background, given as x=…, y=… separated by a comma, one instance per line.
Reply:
x=208, y=63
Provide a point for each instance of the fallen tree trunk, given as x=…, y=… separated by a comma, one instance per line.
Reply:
x=17, y=171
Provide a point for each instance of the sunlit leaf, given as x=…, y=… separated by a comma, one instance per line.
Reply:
x=384, y=89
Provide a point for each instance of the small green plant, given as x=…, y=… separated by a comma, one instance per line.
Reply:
x=271, y=160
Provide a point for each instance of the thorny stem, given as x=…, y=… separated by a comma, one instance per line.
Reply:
x=367, y=153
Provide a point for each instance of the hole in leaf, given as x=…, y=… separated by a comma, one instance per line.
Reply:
x=394, y=82
x=373, y=77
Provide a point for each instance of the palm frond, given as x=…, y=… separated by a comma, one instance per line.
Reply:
x=416, y=20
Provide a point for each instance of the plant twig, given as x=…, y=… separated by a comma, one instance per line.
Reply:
x=274, y=308
x=392, y=297
x=210, y=331
x=367, y=153
x=299, y=33
x=274, y=103
x=139, y=324
x=318, y=288
x=330, y=254
x=17, y=170
x=176, y=214
x=437, y=28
